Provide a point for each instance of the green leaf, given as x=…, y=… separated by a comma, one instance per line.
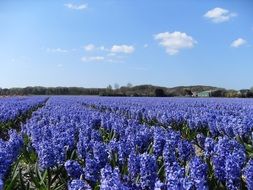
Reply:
x=60, y=187
x=22, y=183
x=97, y=187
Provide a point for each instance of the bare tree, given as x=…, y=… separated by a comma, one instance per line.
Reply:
x=109, y=87
x=129, y=85
x=116, y=86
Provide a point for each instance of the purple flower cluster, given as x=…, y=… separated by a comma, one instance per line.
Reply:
x=133, y=166
x=148, y=170
x=12, y=107
x=248, y=174
x=198, y=173
x=78, y=184
x=9, y=151
x=141, y=143
x=1, y=184
x=228, y=159
x=73, y=169
x=110, y=179
x=232, y=117
x=159, y=140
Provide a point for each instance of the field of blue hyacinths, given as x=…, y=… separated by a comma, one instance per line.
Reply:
x=84, y=143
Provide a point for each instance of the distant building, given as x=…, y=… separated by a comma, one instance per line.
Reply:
x=205, y=93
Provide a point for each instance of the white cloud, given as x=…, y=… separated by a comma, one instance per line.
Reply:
x=89, y=47
x=76, y=7
x=122, y=49
x=218, y=15
x=175, y=41
x=107, y=58
x=56, y=50
x=238, y=42
x=112, y=50
x=92, y=47
x=113, y=54
x=92, y=58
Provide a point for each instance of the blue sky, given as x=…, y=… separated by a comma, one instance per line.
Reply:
x=93, y=43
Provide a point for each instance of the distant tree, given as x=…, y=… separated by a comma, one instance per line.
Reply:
x=109, y=90
x=116, y=86
x=129, y=85
x=218, y=93
x=251, y=89
x=245, y=93
x=231, y=93
x=250, y=94
x=187, y=92
x=109, y=87
x=159, y=92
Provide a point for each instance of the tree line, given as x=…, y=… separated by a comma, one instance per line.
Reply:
x=38, y=90
x=128, y=90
